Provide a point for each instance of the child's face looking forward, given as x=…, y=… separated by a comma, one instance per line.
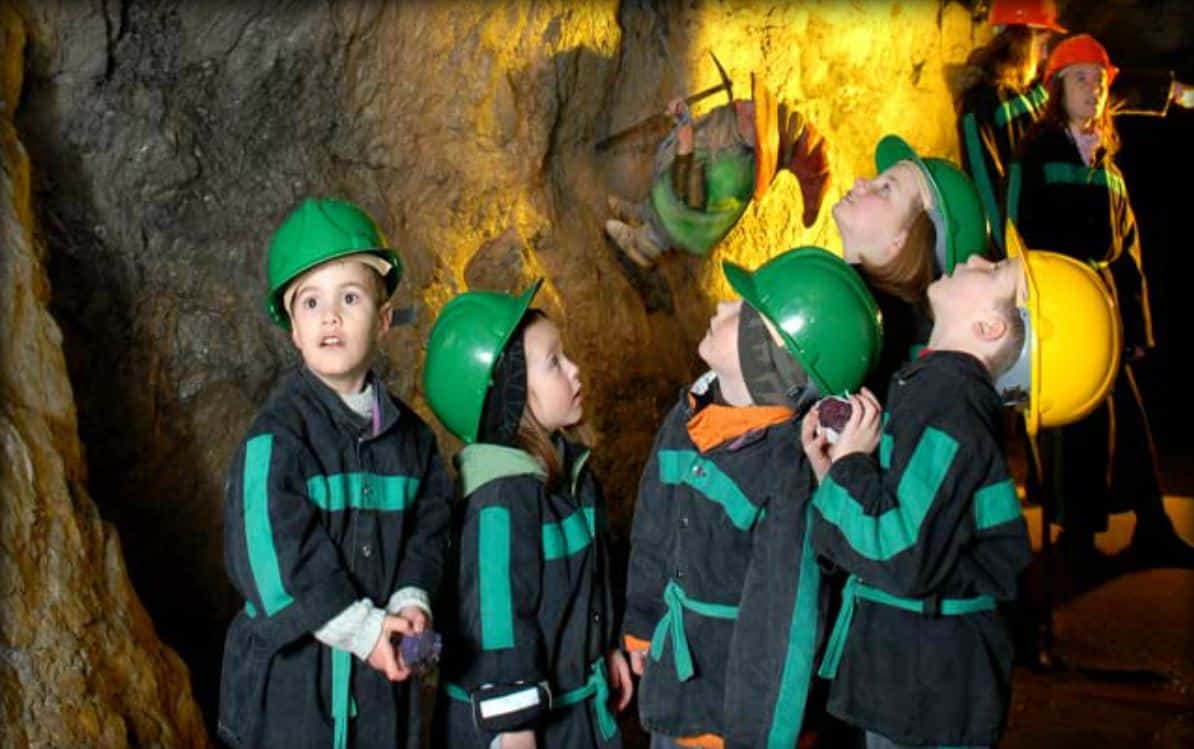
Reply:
x=1085, y=86
x=553, y=380
x=337, y=321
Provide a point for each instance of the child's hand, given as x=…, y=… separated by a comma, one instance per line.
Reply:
x=815, y=443
x=518, y=740
x=638, y=661
x=861, y=433
x=416, y=616
x=619, y=678
x=385, y=657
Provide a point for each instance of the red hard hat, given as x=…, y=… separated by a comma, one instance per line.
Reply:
x=1038, y=14
x=1075, y=50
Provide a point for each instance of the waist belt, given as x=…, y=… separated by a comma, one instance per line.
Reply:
x=856, y=589
x=672, y=624
x=596, y=689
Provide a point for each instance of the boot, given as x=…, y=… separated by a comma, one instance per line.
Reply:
x=635, y=242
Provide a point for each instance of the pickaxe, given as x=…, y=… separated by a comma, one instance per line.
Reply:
x=662, y=118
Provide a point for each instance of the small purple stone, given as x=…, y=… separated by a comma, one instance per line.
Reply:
x=421, y=651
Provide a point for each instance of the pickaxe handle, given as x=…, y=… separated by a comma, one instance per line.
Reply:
x=656, y=119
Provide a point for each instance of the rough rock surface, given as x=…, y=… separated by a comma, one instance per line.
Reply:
x=80, y=662
x=168, y=139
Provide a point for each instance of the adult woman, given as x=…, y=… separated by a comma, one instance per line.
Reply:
x=1066, y=194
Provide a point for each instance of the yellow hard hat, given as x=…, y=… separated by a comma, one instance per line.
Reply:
x=1072, y=343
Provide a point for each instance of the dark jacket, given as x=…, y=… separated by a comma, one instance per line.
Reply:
x=319, y=513
x=1060, y=204
x=701, y=526
x=906, y=329
x=532, y=600
x=992, y=120
x=935, y=524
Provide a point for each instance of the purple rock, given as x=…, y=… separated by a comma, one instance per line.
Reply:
x=420, y=651
x=832, y=414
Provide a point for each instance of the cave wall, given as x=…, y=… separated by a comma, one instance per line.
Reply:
x=168, y=139
x=81, y=664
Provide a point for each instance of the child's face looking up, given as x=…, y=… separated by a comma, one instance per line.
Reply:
x=719, y=347
x=553, y=380
x=336, y=322
x=975, y=289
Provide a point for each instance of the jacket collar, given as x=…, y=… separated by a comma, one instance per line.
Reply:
x=341, y=414
x=957, y=363
x=711, y=424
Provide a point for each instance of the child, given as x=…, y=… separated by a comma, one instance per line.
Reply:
x=336, y=509
x=722, y=497
x=531, y=656
x=931, y=534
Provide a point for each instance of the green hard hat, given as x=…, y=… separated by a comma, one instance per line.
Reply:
x=322, y=229
x=959, y=218
x=823, y=311
x=470, y=333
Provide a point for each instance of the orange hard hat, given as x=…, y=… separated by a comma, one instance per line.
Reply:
x=1078, y=49
x=1037, y=14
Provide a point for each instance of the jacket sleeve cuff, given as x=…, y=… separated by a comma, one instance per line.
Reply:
x=355, y=629
x=847, y=466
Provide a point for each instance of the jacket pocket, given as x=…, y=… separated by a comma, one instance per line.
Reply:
x=243, y=677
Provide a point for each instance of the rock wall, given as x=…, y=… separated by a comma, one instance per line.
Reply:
x=80, y=662
x=168, y=139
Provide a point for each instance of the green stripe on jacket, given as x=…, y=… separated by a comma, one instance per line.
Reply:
x=263, y=557
x=362, y=491
x=880, y=537
x=1060, y=172
x=688, y=467
x=982, y=179
x=995, y=505
x=571, y=535
x=497, y=605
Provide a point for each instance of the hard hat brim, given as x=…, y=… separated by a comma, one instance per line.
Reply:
x=893, y=149
x=1017, y=249
x=276, y=302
